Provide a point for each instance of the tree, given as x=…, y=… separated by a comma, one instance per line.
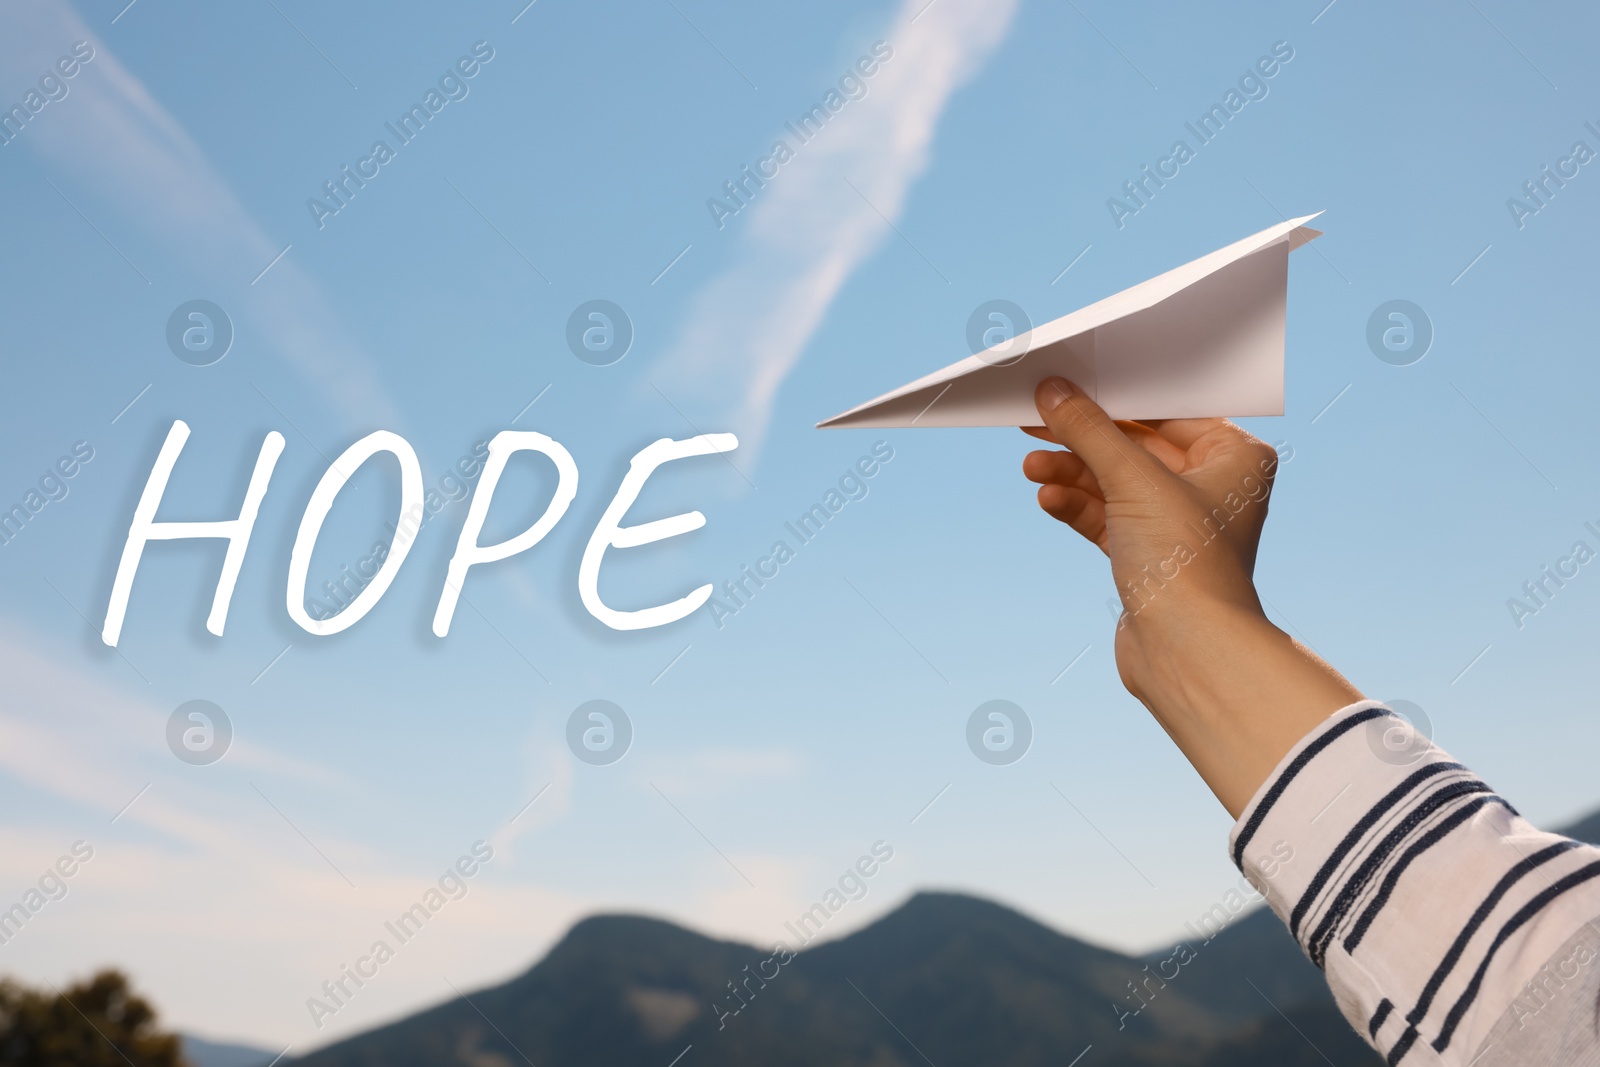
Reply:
x=95, y=1023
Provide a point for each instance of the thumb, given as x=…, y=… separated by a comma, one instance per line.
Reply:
x=1084, y=427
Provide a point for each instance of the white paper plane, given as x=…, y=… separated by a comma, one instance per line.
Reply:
x=1205, y=339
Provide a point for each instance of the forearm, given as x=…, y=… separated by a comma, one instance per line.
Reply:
x=1232, y=690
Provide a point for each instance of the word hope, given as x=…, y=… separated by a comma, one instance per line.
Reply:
x=608, y=532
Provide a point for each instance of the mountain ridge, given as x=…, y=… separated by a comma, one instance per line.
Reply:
x=944, y=977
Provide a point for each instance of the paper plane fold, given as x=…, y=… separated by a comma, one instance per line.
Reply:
x=1205, y=339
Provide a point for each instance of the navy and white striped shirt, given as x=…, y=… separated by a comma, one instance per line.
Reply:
x=1452, y=932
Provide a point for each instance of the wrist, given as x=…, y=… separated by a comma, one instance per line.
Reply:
x=1234, y=691
x=1180, y=661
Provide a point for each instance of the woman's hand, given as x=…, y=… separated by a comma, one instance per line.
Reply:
x=1178, y=506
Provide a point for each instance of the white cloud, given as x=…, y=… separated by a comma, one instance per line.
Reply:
x=111, y=136
x=718, y=772
x=808, y=230
x=548, y=778
x=225, y=914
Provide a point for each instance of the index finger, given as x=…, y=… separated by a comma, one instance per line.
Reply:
x=1041, y=432
x=1184, y=432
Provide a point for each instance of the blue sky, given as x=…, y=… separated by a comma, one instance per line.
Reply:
x=771, y=752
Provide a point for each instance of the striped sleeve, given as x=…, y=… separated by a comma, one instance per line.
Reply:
x=1452, y=932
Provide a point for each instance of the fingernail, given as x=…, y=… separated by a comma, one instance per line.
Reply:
x=1053, y=392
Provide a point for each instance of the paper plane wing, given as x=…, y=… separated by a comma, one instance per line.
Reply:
x=1205, y=339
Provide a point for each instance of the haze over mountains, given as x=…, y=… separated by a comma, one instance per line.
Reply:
x=945, y=979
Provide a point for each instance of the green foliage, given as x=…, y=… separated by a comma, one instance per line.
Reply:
x=95, y=1023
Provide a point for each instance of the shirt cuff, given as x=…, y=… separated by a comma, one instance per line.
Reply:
x=1425, y=897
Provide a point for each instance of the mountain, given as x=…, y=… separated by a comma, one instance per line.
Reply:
x=1585, y=829
x=944, y=979
x=202, y=1053
x=949, y=977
